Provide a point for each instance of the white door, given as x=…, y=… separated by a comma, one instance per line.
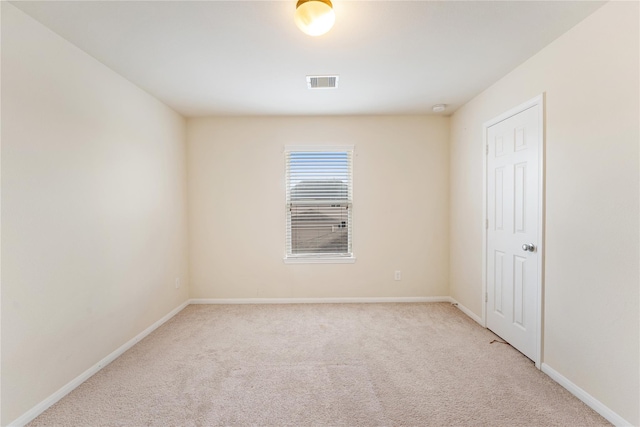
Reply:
x=513, y=229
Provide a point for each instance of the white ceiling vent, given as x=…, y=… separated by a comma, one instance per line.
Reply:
x=322, y=82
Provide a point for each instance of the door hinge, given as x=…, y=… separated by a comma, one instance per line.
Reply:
x=486, y=297
x=487, y=150
x=486, y=224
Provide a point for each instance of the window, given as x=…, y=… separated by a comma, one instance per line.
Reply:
x=319, y=204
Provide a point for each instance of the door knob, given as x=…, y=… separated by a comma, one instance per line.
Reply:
x=529, y=247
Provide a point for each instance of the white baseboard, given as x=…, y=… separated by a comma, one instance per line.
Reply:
x=49, y=401
x=589, y=400
x=466, y=311
x=315, y=300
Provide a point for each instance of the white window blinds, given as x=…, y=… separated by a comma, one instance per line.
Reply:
x=319, y=202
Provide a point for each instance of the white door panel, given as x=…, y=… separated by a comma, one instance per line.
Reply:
x=513, y=212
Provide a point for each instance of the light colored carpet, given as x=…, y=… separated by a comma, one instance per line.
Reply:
x=320, y=364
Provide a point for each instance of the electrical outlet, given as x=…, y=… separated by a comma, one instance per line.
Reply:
x=177, y=282
x=397, y=275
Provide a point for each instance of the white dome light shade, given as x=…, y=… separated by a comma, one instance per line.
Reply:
x=314, y=17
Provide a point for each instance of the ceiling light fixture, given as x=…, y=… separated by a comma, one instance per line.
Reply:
x=314, y=17
x=438, y=108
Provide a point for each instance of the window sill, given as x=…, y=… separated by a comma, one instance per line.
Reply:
x=320, y=260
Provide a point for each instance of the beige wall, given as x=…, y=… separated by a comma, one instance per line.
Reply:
x=590, y=77
x=93, y=212
x=237, y=207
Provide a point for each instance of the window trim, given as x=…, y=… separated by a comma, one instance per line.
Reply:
x=321, y=258
x=329, y=259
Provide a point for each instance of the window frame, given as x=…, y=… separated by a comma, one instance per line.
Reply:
x=312, y=258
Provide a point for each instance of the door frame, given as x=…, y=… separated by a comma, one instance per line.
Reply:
x=539, y=322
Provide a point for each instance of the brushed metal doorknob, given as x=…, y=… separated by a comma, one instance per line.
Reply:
x=529, y=247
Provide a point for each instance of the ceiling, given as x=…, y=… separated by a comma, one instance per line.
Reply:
x=249, y=58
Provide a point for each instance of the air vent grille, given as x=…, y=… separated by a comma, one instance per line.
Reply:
x=322, y=82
